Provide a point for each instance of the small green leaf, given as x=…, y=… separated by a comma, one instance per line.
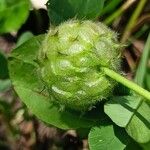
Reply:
x=13, y=14
x=3, y=66
x=121, y=109
x=133, y=114
x=24, y=76
x=62, y=10
x=139, y=126
x=104, y=138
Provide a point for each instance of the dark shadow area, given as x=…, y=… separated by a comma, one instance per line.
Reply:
x=37, y=22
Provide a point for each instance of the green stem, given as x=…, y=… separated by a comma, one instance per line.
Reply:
x=112, y=74
x=133, y=20
x=118, y=13
x=142, y=67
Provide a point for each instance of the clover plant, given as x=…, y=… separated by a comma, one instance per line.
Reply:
x=71, y=78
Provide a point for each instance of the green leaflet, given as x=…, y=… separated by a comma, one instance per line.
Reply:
x=105, y=138
x=139, y=126
x=62, y=10
x=133, y=114
x=121, y=109
x=13, y=14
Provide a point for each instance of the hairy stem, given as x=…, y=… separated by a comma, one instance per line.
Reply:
x=112, y=74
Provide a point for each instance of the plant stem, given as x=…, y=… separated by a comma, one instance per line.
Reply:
x=142, y=67
x=112, y=74
x=133, y=20
x=116, y=14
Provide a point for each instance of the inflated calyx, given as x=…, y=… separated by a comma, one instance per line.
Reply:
x=70, y=62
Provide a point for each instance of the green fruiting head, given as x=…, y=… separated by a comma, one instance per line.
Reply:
x=71, y=58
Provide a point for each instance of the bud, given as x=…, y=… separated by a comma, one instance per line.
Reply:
x=70, y=61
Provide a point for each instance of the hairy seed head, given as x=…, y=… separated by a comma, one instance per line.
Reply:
x=71, y=58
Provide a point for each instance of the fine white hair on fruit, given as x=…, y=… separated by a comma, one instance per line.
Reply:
x=71, y=58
